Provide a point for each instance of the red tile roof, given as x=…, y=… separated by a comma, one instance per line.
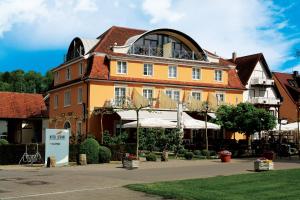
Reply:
x=114, y=35
x=21, y=105
x=283, y=78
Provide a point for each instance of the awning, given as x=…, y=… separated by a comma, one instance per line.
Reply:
x=198, y=124
x=168, y=116
x=144, y=114
x=151, y=123
x=212, y=115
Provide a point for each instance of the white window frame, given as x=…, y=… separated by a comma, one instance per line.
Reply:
x=79, y=97
x=224, y=98
x=197, y=92
x=148, y=89
x=55, y=101
x=122, y=67
x=173, y=94
x=194, y=75
x=170, y=72
x=147, y=69
x=217, y=77
x=68, y=73
x=119, y=86
x=78, y=133
x=66, y=104
x=80, y=69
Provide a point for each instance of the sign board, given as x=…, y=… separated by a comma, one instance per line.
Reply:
x=57, y=145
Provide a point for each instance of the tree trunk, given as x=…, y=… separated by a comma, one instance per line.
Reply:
x=101, y=123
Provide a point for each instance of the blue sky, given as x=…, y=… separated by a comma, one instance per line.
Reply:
x=35, y=35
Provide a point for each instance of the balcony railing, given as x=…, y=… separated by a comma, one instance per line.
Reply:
x=264, y=100
x=262, y=81
x=159, y=52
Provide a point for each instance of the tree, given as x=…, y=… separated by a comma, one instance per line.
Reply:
x=245, y=118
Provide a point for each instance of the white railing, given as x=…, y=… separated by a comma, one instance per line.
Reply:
x=261, y=81
x=264, y=100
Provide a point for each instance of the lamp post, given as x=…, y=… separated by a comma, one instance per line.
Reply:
x=206, y=138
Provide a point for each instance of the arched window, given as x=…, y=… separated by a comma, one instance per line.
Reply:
x=67, y=125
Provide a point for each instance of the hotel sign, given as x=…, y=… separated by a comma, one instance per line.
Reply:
x=57, y=145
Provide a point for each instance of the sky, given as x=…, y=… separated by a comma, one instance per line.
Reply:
x=35, y=34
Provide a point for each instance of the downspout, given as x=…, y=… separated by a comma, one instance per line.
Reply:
x=87, y=109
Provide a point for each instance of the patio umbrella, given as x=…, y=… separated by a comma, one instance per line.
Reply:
x=198, y=124
x=151, y=123
x=291, y=126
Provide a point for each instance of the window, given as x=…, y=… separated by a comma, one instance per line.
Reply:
x=148, y=69
x=122, y=67
x=196, y=95
x=220, y=98
x=218, y=75
x=196, y=74
x=80, y=69
x=173, y=94
x=67, y=98
x=172, y=71
x=120, y=95
x=148, y=93
x=68, y=73
x=56, y=77
x=78, y=128
x=67, y=125
x=55, y=101
x=79, y=95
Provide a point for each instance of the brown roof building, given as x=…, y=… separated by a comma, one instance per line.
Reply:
x=22, y=116
x=289, y=88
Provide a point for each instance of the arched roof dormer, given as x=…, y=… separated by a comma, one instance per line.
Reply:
x=164, y=42
x=79, y=47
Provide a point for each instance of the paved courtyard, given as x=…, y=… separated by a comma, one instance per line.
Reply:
x=106, y=181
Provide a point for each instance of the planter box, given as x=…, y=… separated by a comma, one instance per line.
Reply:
x=131, y=164
x=263, y=165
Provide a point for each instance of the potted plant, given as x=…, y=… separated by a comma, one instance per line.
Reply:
x=130, y=161
x=263, y=164
x=225, y=156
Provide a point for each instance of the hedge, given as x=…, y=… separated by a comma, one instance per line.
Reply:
x=118, y=150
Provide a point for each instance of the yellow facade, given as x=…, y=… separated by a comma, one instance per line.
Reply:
x=160, y=72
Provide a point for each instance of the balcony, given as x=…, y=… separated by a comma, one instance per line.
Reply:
x=165, y=53
x=264, y=100
x=262, y=81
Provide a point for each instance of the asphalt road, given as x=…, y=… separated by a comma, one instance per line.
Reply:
x=106, y=181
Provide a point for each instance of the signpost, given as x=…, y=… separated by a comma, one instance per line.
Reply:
x=57, y=145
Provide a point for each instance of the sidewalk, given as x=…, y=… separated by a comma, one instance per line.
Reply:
x=105, y=181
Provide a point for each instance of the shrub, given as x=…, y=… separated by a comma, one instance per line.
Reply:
x=90, y=147
x=104, y=154
x=151, y=157
x=212, y=153
x=205, y=153
x=3, y=142
x=189, y=155
x=197, y=152
x=182, y=151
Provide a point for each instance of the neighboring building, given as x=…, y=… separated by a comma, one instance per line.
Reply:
x=288, y=85
x=123, y=63
x=23, y=117
x=256, y=76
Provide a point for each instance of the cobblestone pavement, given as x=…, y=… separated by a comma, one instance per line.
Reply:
x=106, y=181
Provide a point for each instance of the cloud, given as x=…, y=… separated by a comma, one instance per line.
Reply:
x=220, y=26
x=161, y=10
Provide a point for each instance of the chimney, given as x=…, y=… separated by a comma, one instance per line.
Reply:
x=295, y=74
x=233, y=56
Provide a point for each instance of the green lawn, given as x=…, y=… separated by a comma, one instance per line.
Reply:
x=272, y=185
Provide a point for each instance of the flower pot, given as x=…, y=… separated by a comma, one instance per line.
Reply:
x=131, y=164
x=225, y=158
